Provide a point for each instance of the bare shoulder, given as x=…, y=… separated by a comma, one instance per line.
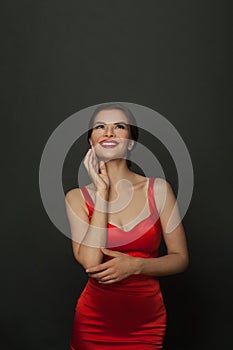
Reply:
x=161, y=184
x=75, y=199
x=163, y=191
x=72, y=194
x=76, y=192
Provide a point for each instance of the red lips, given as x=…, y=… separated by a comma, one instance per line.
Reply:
x=107, y=140
x=108, y=143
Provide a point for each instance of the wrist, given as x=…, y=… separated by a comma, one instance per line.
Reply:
x=138, y=265
x=102, y=194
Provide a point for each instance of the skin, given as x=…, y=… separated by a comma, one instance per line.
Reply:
x=113, y=168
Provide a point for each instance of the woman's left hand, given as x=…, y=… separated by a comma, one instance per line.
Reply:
x=121, y=266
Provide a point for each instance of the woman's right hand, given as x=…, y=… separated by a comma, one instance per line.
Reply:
x=100, y=180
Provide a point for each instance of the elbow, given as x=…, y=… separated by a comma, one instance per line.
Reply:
x=81, y=261
x=88, y=261
x=77, y=258
x=184, y=263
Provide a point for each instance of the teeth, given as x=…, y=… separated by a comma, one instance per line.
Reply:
x=109, y=143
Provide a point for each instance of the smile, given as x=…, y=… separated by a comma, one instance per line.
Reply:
x=106, y=144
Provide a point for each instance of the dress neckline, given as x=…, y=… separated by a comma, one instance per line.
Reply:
x=148, y=202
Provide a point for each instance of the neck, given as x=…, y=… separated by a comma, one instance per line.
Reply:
x=117, y=170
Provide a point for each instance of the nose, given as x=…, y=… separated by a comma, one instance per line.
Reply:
x=109, y=130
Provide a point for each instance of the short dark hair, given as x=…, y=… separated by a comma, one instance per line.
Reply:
x=134, y=132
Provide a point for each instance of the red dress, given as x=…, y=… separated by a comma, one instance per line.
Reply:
x=129, y=314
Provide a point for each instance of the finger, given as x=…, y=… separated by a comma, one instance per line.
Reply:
x=100, y=275
x=94, y=173
x=111, y=252
x=99, y=267
x=95, y=160
x=103, y=168
x=87, y=160
x=94, y=157
x=108, y=282
x=87, y=156
x=93, y=166
x=108, y=278
x=92, y=150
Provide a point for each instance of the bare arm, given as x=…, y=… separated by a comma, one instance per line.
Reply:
x=89, y=237
x=177, y=258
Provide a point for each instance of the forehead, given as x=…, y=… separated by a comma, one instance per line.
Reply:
x=111, y=116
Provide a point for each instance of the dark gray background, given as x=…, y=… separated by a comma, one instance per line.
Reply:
x=60, y=57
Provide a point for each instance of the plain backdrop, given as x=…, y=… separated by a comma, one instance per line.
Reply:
x=59, y=57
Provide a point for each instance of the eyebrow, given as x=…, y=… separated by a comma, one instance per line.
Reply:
x=99, y=122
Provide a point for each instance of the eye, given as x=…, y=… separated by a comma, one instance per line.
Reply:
x=96, y=127
x=121, y=126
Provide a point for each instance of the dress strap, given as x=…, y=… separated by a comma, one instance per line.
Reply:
x=153, y=207
x=88, y=200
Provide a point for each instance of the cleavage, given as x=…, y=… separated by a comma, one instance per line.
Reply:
x=142, y=212
x=145, y=213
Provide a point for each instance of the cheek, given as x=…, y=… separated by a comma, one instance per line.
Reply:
x=95, y=135
x=123, y=133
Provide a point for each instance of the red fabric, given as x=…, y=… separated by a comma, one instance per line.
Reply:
x=129, y=314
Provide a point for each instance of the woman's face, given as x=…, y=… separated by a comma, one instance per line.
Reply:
x=111, y=134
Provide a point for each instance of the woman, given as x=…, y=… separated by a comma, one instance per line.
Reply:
x=121, y=306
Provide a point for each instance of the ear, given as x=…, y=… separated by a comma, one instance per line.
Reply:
x=130, y=145
x=90, y=142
